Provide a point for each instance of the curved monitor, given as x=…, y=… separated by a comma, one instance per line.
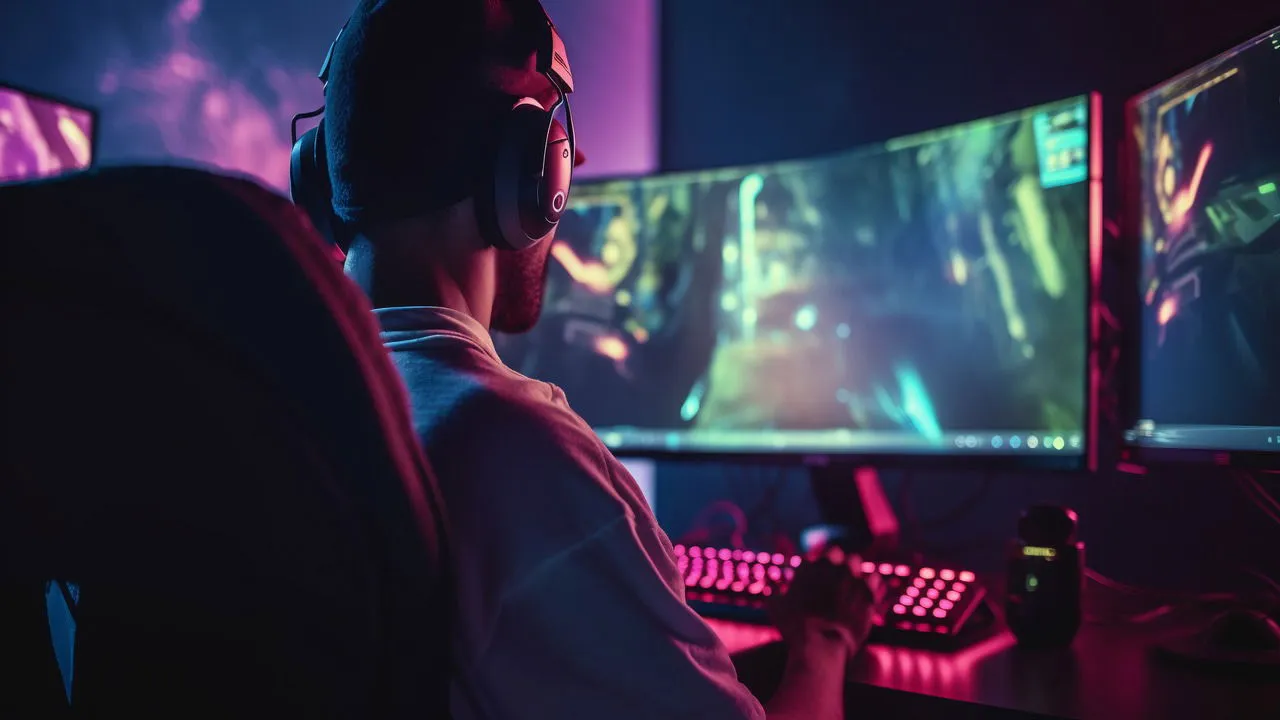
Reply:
x=925, y=297
x=1205, y=207
x=41, y=136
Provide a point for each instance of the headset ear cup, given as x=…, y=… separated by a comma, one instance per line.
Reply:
x=557, y=175
x=517, y=219
x=309, y=181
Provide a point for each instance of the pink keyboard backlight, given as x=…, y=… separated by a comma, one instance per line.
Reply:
x=930, y=597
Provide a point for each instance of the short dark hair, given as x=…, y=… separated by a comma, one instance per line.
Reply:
x=411, y=112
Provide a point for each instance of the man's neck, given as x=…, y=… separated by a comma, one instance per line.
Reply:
x=390, y=281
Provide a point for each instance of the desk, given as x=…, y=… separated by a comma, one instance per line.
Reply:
x=1107, y=674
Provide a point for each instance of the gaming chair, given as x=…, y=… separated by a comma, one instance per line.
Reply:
x=205, y=440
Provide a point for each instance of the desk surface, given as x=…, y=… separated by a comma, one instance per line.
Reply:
x=1108, y=673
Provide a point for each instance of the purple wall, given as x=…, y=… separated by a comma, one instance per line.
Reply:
x=613, y=47
x=217, y=82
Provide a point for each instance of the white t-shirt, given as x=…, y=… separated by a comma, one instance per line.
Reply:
x=570, y=602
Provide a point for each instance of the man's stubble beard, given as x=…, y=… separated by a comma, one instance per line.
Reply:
x=522, y=281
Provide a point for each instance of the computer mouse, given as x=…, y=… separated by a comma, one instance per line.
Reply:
x=1244, y=631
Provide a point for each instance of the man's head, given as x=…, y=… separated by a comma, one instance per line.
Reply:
x=418, y=99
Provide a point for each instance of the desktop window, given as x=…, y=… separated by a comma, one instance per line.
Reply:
x=40, y=137
x=925, y=295
x=1207, y=147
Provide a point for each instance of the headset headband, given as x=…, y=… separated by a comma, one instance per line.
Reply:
x=328, y=56
x=553, y=59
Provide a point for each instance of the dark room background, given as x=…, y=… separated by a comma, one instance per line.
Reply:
x=696, y=83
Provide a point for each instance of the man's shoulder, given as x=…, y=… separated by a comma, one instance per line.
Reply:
x=533, y=419
x=466, y=402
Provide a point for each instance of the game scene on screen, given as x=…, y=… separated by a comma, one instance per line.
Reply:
x=39, y=137
x=882, y=300
x=1209, y=154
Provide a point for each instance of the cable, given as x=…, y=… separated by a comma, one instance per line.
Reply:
x=1258, y=495
x=1265, y=579
x=1127, y=589
x=700, y=530
x=1258, y=487
x=1172, y=602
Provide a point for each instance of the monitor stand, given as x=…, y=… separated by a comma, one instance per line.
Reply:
x=856, y=515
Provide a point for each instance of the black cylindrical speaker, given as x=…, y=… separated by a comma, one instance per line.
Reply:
x=1046, y=578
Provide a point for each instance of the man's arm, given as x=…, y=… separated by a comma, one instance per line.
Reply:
x=812, y=685
x=599, y=633
x=600, y=626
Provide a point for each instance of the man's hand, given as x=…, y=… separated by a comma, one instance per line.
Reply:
x=828, y=605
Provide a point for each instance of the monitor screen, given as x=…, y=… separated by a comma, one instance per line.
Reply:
x=40, y=136
x=1207, y=151
x=923, y=296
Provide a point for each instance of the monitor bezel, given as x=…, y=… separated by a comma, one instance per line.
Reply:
x=94, y=117
x=1084, y=460
x=1135, y=454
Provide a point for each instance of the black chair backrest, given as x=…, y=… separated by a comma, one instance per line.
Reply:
x=203, y=432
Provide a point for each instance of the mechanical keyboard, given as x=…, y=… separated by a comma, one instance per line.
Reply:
x=922, y=605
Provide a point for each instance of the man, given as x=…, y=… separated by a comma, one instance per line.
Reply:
x=570, y=603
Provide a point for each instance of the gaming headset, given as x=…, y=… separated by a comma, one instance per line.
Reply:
x=525, y=189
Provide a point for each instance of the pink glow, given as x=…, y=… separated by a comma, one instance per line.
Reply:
x=949, y=675
x=203, y=115
x=1094, y=389
x=589, y=274
x=1168, y=309
x=613, y=47
x=1185, y=199
x=39, y=137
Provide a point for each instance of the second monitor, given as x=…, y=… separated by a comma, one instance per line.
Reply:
x=927, y=295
